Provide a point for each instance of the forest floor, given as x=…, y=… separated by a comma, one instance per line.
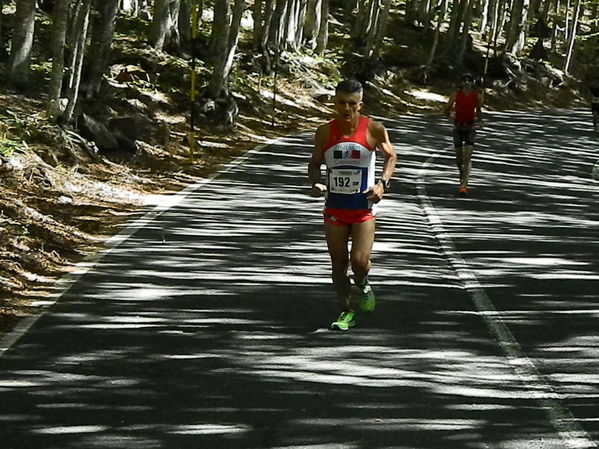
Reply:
x=59, y=204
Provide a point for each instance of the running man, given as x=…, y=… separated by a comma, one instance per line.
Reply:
x=347, y=145
x=466, y=105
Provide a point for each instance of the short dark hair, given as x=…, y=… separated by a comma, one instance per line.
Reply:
x=350, y=86
x=467, y=77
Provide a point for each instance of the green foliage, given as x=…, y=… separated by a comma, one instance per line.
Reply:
x=8, y=147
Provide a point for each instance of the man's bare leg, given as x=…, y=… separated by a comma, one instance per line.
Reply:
x=466, y=164
x=337, y=241
x=362, y=235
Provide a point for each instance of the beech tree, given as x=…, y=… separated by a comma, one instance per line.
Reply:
x=2, y=48
x=226, y=39
x=22, y=42
x=572, y=37
x=441, y=11
x=83, y=31
x=105, y=12
x=517, y=28
x=59, y=33
x=312, y=23
x=165, y=24
x=78, y=38
x=322, y=39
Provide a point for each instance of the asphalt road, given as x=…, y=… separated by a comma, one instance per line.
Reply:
x=204, y=324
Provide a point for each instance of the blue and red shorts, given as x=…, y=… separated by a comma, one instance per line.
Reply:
x=344, y=217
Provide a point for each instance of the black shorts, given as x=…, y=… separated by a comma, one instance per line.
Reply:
x=463, y=136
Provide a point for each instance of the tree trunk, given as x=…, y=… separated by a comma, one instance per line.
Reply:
x=322, y=41
x=455, y=22
x=567, y=22
x=80, y=27
x=275, y=32
x=576, y=17
x=373, y=25
x=257, y=16
x=300, y=20
x=220, y=23
x=423, y=8
x=487, y=8
x=348, y=10
x=291, y=28
x=513, y=43
x=59, y=33
x=226, y=48
x=375, y=45
x=495, y=30
x=264, y=52
x=312, y=23
x=2, y=47
x=463, y=43
x=165, y=29
x=104, y=21
x=22, y=42
x=183, y=22
x=431, y=56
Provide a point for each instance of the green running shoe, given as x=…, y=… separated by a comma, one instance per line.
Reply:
x=344, y=322
x=365, y=297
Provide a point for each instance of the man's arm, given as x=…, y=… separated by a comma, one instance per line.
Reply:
x=383, y=144
x=479, y=110
x=449, y=106
x=317, y=159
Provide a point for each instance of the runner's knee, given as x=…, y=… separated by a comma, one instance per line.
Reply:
x=360, y=263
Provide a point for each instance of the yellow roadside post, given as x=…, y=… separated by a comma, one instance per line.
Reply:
x=191, y=138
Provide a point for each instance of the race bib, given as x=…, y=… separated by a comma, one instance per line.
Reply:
x=345, y=181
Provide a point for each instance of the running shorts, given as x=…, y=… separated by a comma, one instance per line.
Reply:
x=344, y=217
x=463, y=136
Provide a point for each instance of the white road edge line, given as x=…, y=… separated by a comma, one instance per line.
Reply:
x=63, y=284
x=568, y=428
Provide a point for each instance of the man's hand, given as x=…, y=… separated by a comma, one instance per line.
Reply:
x=318, y=189
x=375, y=193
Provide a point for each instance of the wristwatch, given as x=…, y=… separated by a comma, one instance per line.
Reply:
x=385, y=183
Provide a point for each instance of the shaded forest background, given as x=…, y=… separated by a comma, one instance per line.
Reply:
x=107, y=104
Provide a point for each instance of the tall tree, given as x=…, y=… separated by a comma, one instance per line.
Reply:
x=258, y=17
x=455, y=22
x=322, y=40
x=2, y=49
x=441, y=11
x=22, y=43
x=221, y=15
x=312, y=23
x=227, y=41
x=104, y=21
x=59, y=33
x=516, y=34
x=378, y=30
x=277, y=24
x=165, y=29
x=465, y=34
x=78, y=40
x=572, y=37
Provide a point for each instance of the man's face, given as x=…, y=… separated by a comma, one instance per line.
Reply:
x=347, y=106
